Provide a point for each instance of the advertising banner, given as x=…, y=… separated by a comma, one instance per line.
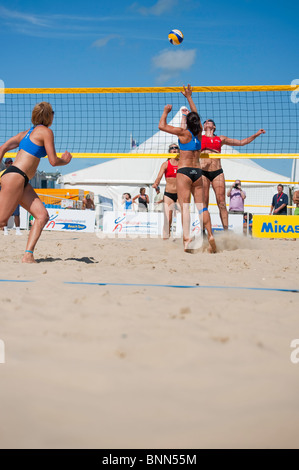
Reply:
x=275, y=226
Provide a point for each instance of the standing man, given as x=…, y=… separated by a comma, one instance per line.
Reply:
x=8, y=162
x=236, y=198
x=279, y=202
x=158, y=200
x=296, y=201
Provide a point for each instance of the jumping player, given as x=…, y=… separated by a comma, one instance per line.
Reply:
x=212, y=171
x=189, y=176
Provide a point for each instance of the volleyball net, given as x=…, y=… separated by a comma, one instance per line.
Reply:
x=123, y=122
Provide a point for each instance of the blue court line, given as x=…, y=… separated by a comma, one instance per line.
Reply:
x=180, y=286
x=271, y=289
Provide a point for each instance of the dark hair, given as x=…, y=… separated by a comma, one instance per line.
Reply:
x=193, y=123
x=141, y=189
x=211, y=120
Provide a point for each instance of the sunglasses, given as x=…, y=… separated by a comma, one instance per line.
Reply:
x=173, y=148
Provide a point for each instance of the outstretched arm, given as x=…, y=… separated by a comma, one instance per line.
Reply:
x=240, y=143
x=11, y=144
x=160, y=175
x=163, y=126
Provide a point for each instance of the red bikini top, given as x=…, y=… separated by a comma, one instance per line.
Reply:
x=170, y=170
x=211, y=143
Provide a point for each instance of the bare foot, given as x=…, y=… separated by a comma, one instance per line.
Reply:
x=28, y=258
x=187, y=247
x=212, y=248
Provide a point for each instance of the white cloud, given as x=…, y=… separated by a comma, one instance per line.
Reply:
x=171, y=63
x=174, y=60
x=32, y=19
x=162, y=6
x=104, y=41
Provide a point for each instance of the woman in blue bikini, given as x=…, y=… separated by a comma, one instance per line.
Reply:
x=189, y=174
x=33, y=144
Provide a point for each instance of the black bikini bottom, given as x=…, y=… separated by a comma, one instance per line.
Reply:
x=192, y=173
x=15, y=169
x=172, y=196
x=212, y=174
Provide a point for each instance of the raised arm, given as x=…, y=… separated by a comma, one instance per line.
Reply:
x=188, y=94
x=163, y=126
x=51, y=152
x=240, y=143
x=11, y=144
x=160, y=175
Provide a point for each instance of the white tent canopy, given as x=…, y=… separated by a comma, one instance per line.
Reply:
x=112, y=178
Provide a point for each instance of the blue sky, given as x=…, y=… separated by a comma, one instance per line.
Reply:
x=120, y=44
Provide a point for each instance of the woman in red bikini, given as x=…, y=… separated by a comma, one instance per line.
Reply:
x=169, y=170
x=212, y=172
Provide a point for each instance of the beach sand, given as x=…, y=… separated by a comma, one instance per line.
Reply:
x=106, y=366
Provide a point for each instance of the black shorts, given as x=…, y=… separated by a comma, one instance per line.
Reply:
x=212, y=174
x=15, y=169
x=192, y=173
x=172, y=196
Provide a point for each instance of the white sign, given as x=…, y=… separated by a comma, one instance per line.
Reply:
x=136, y=223
x=235, y=223
x=71, y=220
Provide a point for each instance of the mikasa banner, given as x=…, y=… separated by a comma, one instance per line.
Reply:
x=275, y=226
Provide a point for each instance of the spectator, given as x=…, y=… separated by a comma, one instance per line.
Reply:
x=88, y=203
x=279, y=202
x=127, y=201
x=296, y=201
x=236, y=198
x=158, y=200
x=16, y=214
x=247, y=223
x=143, y=200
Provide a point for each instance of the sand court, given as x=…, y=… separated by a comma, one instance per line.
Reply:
x=146, y=366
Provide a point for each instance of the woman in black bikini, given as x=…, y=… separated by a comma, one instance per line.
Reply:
x=189, y=176
x=34, y=144
x=212, y=172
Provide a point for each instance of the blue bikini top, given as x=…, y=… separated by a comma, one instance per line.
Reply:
x=26, y=144
x=194, y=143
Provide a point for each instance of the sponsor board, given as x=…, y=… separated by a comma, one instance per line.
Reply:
x=275, y=226
x=121, y=223
x=71, y=220
x=235, y=223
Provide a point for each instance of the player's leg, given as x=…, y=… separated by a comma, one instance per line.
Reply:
x=197, y=191
x=12, y=188
x=168, y=207
x=184, y=184
x=31, y=202
x=218, y=185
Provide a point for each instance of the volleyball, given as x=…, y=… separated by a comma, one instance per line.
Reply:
x=175, y=37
